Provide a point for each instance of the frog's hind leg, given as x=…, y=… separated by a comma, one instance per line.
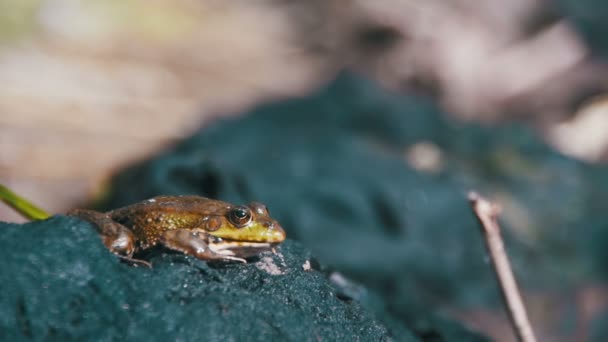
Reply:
x=116, y=237
x=189, y=242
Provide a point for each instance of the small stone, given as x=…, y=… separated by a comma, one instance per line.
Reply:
x=306, y=266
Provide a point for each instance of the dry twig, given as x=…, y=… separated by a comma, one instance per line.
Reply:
x=487, y=213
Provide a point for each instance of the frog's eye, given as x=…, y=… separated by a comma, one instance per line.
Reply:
x=259, y=208
x=240, y=216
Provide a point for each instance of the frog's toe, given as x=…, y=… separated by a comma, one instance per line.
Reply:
x=135, y=262
x=237, y=259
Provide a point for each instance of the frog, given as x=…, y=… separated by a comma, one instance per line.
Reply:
x=205, y=228
x=208, y=229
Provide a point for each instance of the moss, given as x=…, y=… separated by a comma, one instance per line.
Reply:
x=60, y=283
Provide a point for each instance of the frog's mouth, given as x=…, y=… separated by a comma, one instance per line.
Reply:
x=243, y=249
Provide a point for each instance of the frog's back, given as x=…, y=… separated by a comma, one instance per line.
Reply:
x=150, y=218
x=181, y=204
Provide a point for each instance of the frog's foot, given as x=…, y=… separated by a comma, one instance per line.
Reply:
x=189, y=242
x=133, y=261
x=231, y=258
x=116, y=237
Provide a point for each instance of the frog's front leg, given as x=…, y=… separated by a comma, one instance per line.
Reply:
x=194, y=243
x=116, y=237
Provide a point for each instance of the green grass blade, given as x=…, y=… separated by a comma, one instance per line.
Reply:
x=21, y=205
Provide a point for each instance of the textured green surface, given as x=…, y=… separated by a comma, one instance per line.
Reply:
x=332, y=169
x=60, y=283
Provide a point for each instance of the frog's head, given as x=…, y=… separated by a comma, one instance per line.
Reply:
x=244, y=230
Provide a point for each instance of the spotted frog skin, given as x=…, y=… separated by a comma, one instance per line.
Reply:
x=205, y=228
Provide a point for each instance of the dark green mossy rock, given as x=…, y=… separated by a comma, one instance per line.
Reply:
x=332, y=169
x=60, y=283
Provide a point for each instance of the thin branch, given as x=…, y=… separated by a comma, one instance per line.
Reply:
x=487, y=213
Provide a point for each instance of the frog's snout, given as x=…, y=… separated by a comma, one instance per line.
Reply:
x=275, y=232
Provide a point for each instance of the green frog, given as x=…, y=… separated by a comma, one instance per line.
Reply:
x=205, y=228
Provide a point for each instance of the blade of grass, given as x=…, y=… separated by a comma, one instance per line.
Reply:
x=21, y=205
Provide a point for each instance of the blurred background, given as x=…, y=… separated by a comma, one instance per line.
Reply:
x=90, y=87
